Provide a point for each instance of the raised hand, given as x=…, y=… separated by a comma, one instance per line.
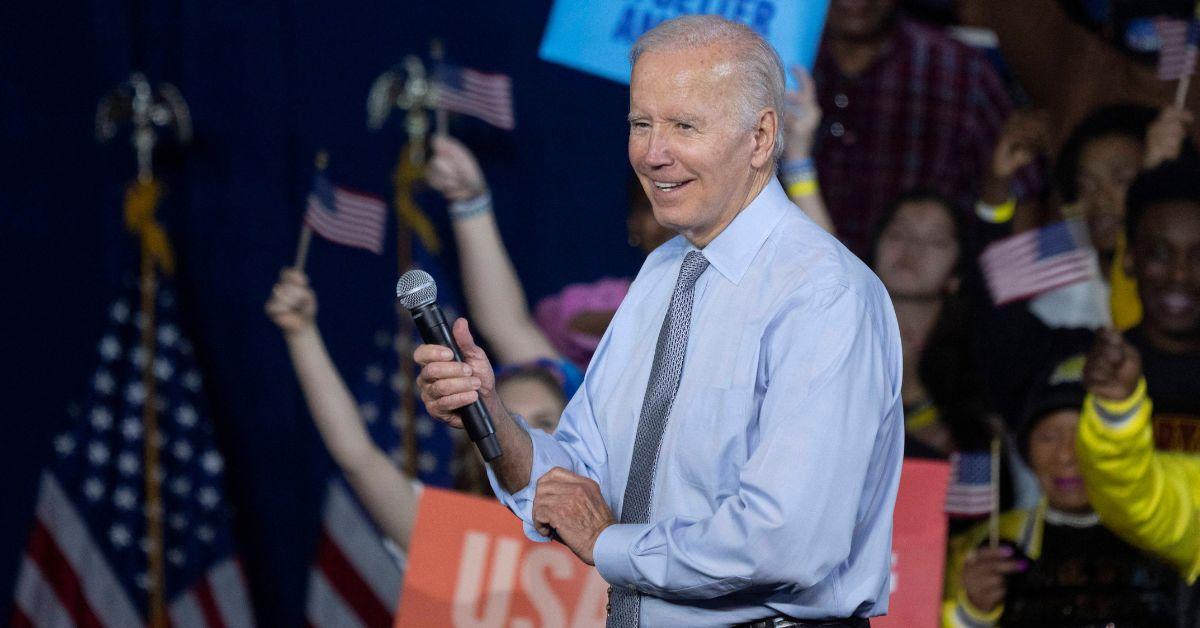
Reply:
x=1025, y=136
x=1113, y=367
x=292, y=305
x=983, y=575
x=1166, y=135
x=801, y=116
x=447, y=385
x=454, y=171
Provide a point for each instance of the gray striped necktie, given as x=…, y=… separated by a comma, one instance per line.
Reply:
x=625, y=605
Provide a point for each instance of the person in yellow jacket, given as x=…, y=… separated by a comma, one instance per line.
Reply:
x=1057, y=566
x=1150, y=498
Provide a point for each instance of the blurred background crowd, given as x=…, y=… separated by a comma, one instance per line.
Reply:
x=1021, y=174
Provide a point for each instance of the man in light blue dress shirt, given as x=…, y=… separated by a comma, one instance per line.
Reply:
x=766, y=463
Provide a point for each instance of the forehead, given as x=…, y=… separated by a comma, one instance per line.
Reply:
x=1110, y=148
x=1174, y=221
x=691, y=77
x=924, y=213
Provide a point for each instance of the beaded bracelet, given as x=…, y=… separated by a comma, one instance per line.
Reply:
x=460, y=210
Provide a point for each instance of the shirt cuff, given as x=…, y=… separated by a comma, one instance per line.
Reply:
x=613, y=550
x=1120, y=413
x=546, y=456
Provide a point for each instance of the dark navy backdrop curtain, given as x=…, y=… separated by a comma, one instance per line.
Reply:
x=269, y=83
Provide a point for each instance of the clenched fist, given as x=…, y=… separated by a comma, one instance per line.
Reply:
x=292, y=305
x=1113, y=367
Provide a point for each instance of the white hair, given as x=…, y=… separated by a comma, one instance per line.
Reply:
x=759, y=70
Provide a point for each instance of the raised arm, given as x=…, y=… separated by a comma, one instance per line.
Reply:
x=495, y=298
x=802, y=115
x=388, y=494
x=1149, y=498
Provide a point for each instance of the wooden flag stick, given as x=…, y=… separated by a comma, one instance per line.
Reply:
x=321, y=162
x=994, y=515
x=1181, y=90
x=302, y=247
x=1103, y=305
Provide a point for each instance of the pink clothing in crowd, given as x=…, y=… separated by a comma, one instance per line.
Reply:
x=555, y=312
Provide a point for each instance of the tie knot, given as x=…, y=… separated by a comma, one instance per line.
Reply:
x=694, y=264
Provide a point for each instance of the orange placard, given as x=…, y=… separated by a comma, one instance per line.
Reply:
x=918, y=547
x=471, y=567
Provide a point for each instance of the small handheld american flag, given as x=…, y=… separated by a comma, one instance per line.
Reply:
x=346, y=217
x=1177, y=44
x=484, y=96
x=970, y=491
x=1030, y=263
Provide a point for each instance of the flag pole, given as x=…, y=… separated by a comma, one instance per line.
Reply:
x=994, y=513
x=1185, y=81
x=437, y=54
x=1103, y=306
x=148, y=289
x=322, y=162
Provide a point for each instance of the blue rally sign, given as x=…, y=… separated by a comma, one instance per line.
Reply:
x=595, y=35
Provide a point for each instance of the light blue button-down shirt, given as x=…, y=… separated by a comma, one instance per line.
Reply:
x=781, y=458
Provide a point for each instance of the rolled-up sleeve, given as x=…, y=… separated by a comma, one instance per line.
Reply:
x=819, y=486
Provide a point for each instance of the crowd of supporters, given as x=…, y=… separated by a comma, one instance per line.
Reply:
x=920, y=144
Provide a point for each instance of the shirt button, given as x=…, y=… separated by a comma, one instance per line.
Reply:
x=837, y=130
x=841, y=101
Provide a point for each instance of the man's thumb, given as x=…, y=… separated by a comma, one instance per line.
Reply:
x=462, y=335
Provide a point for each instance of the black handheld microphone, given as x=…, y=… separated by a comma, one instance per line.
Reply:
x=418, y=294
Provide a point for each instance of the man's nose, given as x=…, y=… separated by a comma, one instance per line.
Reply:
x=658, y=150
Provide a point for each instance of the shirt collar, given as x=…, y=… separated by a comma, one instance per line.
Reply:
x=735, y=247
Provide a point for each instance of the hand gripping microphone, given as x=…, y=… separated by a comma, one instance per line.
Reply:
x=418, y=294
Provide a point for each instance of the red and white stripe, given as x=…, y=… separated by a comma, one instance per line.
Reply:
x=1014, y=272
x=485, y=96
x=355, y=220
x=66, y=581
x=219, y=599
x=355, y=581
x=1176, y=56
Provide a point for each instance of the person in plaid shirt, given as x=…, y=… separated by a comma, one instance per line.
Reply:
x=905, y=106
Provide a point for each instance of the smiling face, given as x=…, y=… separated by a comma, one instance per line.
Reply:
x=697, y=157
x=1165, y=260
x=1052, y=458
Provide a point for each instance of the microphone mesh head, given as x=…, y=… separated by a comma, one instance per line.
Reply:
x=416, y=288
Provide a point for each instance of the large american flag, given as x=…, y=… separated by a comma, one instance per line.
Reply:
x=356, y=577
x=346, y=217
x=1177, y=43
x=1037, y=261
x=969, y=493
x=87, y=559
x=485, y=96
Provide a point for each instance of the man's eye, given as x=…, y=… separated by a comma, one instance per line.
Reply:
x=639, y=124
x=684, y=126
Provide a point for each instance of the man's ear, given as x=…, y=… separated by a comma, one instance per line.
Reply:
x=764, y=138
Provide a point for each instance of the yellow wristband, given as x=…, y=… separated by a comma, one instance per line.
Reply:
x=921, y=417
x=996, y=214
x=802, y=188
